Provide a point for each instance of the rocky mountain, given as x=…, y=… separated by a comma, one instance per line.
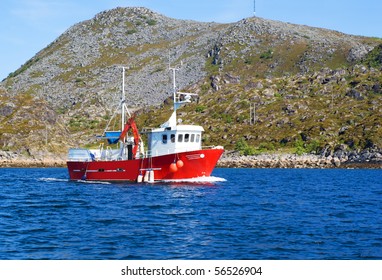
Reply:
x=313, y=90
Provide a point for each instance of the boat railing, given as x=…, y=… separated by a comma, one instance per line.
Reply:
x=146, y=130
x=80, y=155
x=151, y=153
x=109, y=154
x=212, y=147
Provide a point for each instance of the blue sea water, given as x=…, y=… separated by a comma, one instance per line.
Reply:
x=254, y=214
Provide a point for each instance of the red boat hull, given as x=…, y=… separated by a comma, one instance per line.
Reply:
x=196, y=164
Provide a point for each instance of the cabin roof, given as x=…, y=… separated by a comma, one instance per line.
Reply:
x=178, y=128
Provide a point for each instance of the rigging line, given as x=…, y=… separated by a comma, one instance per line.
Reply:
x=112, y=117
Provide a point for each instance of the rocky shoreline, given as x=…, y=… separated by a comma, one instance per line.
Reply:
x=363, y=160
x=13, y=159
x=231, y=159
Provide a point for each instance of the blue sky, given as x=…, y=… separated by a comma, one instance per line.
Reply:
x=27, y=26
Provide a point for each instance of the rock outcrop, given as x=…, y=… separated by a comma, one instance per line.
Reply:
x=364, y=159
x=13, y=159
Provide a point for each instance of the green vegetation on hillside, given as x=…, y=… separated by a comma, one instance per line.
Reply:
x=301, y=113
x=307, y=88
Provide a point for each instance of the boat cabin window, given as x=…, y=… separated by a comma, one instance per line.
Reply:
x=197, y=138
x=193, y=138
x=164, y=138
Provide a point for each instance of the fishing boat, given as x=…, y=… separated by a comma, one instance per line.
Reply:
x=174, y=151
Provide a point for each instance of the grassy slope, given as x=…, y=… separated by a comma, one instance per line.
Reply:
x=299, y=85
x=294, y=112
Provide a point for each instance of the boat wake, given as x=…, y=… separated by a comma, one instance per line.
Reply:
x=52, y=180
x=43, y=179
x=199, y=180
x=93, y=182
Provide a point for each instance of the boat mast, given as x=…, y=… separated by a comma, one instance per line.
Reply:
x=124, y=108
x=123, y=99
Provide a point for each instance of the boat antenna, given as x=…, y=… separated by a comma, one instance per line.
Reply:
x=174, y=69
